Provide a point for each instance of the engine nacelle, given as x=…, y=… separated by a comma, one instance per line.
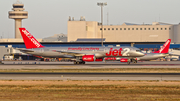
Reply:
x=110, y=58
x=100, y=59
x=88, y=58
x=124, y=60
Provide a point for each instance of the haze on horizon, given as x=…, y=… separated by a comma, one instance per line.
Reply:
x=49, y=17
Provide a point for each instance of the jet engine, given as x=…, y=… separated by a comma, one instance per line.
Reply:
x=90, y=58
x=99, y=59
x=110, y=58
x=124, y=60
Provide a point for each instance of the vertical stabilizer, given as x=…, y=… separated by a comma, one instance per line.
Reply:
x=164, y=48
x=29, y=40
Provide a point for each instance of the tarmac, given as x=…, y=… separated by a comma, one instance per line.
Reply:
x=90, y=76
x=88, y=65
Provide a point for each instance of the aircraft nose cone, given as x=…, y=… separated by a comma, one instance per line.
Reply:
x=141, y=54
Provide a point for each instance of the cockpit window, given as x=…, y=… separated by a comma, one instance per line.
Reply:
x=138, y=50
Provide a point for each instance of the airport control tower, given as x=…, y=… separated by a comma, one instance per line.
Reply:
x=18, y=14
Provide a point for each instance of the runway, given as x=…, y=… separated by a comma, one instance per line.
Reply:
x=90, y=76
x=88, y=65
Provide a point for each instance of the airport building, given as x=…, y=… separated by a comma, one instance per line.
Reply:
x=127, y=32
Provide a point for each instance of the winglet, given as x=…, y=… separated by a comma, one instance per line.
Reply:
x=164, y=48
x=29, y=40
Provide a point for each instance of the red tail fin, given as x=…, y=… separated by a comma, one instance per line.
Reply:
x=29, y=40
x=165, y=47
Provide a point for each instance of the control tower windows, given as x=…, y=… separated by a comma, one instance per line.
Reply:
x=17, y=6
x=24, y=14
x=11, y=14
x=17, y=14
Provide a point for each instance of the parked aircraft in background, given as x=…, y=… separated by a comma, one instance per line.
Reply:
x=80, y=55
x=162, y=52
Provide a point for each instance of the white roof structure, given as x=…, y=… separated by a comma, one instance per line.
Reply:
x=56, y=38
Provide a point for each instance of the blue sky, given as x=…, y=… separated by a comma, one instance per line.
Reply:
x=49, y=17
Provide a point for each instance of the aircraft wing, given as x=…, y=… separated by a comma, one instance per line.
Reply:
x=72, y=53
x=24, y=50
x=174, y=54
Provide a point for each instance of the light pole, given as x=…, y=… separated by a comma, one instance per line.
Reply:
x=101, y=4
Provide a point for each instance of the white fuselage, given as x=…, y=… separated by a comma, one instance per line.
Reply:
x=98, y=52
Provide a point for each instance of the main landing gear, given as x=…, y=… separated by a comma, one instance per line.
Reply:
x=128, y=62
x=77, y=62
x=131, y=60
x=134, y=61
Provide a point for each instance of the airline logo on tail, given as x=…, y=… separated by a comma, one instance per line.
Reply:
x=165, y=47
x=29, y=40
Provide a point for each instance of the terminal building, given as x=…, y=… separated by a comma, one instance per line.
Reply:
x=127, y=32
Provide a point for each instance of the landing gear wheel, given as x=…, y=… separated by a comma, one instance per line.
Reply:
x=77, y=63
x=135, y=61
x=83, y=62
x=129, y=61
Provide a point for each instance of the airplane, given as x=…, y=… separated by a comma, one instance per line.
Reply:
x=162, y=52
x=79, y=55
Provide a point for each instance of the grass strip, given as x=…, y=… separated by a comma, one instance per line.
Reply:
x=89, y=90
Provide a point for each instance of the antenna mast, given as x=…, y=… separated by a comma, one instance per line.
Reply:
x=107, y=18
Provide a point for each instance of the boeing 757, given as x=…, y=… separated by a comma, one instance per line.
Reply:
x=162, y=52
x=80, y=55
